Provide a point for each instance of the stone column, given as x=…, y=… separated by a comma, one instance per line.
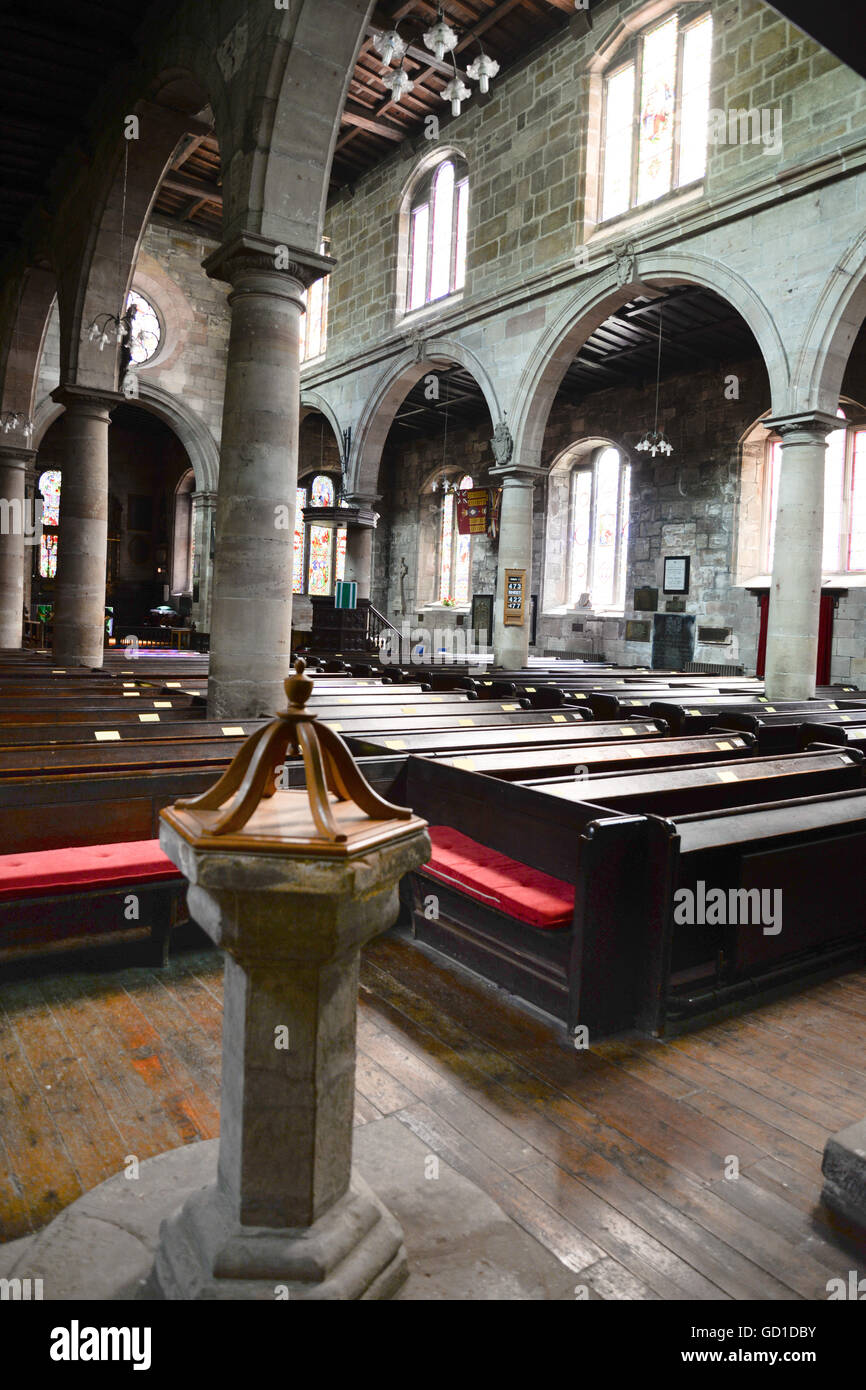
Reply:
x=361, y=522
x=82, y=547
x=251, y=624
x=16, y=530
x=203, y=511
x=511, y=643
x=795, y=590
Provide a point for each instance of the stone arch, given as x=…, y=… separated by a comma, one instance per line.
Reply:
x=193, y=433
x=820, y=365
x=33, y=296
x=304, y=92
x=396, y=381
x=555, y=351
x=312, y=401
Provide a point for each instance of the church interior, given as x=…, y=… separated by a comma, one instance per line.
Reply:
x=423, y=425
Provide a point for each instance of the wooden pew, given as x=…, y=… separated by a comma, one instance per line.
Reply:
x=520, y=764
x=577, y=732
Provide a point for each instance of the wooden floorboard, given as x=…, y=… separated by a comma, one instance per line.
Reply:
x=618, y=1159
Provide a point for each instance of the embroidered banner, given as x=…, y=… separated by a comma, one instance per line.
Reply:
x=472, y=508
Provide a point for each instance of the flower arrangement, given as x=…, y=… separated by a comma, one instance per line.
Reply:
x=448, y=602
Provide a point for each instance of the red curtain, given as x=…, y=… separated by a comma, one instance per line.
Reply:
x=825, y=638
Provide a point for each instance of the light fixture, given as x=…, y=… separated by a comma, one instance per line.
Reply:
x=456, y=91
x=655, y=440
x=397, y=83
x=390, y=46
x=107, y=327
x=441, y=39
x=16, y=420
x=482, y=70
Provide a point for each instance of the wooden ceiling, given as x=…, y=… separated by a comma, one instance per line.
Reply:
x=373, y=125
x=699, y=331
x=54, y=56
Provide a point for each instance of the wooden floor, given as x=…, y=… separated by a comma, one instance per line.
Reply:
x=615, y=1159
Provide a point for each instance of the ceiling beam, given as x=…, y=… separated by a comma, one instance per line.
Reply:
x=357, y=115
x=193, y=188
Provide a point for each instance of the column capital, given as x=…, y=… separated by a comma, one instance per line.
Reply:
x=87, y=399
x=518, y=474
x=809, y=422
x=205, y=498
x=252, y=263
x=17, y=456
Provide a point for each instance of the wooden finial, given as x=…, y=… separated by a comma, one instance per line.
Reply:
x=298, y=687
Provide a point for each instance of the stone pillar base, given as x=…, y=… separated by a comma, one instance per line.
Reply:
x=354, y=1251
x=844, y=1169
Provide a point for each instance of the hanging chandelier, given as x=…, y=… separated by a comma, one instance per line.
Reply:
x=655, y=441
x=16, y=420
x=441, y=39
x=106, y=327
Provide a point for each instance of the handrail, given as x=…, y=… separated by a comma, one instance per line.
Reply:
x=377, y=623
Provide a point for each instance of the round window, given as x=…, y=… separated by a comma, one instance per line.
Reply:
x=146, y=330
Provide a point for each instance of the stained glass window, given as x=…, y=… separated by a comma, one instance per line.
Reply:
x=48, y=556
x=322, y=494
x=298, y=558
x=314, y=321
x=320, y=560
x=653, y=140
x=49, y=487
x=146, y=331
x=438, y=226
x=844, y=536
x=445, y=555
x=598, y=530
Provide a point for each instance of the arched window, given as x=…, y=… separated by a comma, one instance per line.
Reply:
x=656, y=110
x=587, y=529
x=314, y=320
x=454, y=551
x=49, y=487
x=147, y=330
x=844, y=547
x=438, y=220
x=319, y=551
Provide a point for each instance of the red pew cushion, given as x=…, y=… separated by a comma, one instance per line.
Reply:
x=92, y=866
x=501, y=883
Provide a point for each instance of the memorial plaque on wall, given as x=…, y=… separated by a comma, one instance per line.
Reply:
x=515, y=598
x=673, y=641
x=646, y=600
x=637, y=631
x=675, y=605
x=482, y=617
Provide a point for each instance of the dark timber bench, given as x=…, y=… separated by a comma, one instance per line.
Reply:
x=517, y=765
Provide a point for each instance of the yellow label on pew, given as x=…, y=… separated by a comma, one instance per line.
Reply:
x=408, y=709
x=724, y=774
x=466, y=722
x=395, y=743
x=334, y=725
x=162, y=704
x=128, y=683
x=692, y=711
x=530, y=689
x=724, y=744
x=771, y=709
x=175, y=685
x=61, y=671
x=467, y=763
x=343, y=700
x=832, y=706
x=509, y=708
x=103, y=735
x=149, y=718
x=558, y=718
x=763, y=699
x=232, y=729
x=625, y=730
x=437, y=699
x=131, y=694
x=845, y=717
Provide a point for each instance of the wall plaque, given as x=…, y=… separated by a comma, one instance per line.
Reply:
x=646, y=599
x=515, y=598
x=677, y=574
x=675, y=605
x=637, y=631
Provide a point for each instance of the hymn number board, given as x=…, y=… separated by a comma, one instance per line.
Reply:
x=515, y=598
